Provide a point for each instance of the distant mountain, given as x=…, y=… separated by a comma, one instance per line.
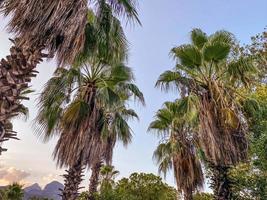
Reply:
x=50, y=191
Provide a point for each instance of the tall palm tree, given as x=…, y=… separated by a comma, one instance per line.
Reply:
x=56, y=27
x=81, y=122
x=207, y=69
x=115, y=128
x=103, y=44
x=175, y=123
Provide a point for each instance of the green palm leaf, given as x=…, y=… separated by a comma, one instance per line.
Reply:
x=216, y=51
x=199, y=38
x=222, y=37
x=188, y=55
x=242, y=69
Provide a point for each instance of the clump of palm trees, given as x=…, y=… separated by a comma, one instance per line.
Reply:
x=85, y=103
x=57, y=28
x=209, y=77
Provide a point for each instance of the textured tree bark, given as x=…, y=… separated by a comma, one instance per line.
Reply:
x=94, y=180
x=16, y=71
x=72, y=181
x=221, y=183
x=188, y=195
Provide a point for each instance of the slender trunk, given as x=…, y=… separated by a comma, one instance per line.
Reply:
x=94, y=179
x=73, y=179
x=16, y=71
x=188, y=195
x=221, y=183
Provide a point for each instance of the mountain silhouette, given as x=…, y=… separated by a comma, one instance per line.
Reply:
x=50, y=191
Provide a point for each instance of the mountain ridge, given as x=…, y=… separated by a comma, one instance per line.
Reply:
x=51, y=191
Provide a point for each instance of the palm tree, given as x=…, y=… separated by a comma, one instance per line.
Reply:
x=81, y=121
x=207, y=70
x=103, y=44
x=175, y=123
x=107, y=176
x=115, y=128
x=56, y=27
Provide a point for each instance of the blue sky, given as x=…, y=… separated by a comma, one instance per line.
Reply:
x=165, y=24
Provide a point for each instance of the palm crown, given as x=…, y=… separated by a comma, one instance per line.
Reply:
x=95, y=91
x=176, y=123
x=207, y=70
x=60, y=25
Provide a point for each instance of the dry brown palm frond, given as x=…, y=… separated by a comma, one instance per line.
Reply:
x=59, y=24
x=85, y=143
x=223, y=145
x=81, y=135
x=108, y=147
x=187, y=168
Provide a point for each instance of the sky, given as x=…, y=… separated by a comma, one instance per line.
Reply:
x=165, y=24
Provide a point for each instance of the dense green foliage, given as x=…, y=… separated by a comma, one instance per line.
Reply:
x=250, y=178
x=144, y=186
x=12, y=192
x=139, y=186
x=203, y=196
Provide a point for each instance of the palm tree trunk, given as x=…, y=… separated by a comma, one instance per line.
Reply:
x=73, y=179
x=188, y=195
x=94, y=179
x=221, y=183
x=16, y=71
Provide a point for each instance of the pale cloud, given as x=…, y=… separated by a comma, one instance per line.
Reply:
x=9, y=175
x=50, y=177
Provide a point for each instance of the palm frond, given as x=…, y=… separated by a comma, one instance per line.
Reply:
x=160, y=127
x=222, y=36
x=120, y=73
x=122, y=129
x=168, y=80
x=133, y=91
x=198, y=38
x=163, y=157
x=75, y=113
x=105, y=40
x=108, y=97
x=55, y=95
x=216, y=51
x=129, y=114
x=187, y=108
x=125, y=7
x=188, y=55
x=242, y=69
x=57, y=26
